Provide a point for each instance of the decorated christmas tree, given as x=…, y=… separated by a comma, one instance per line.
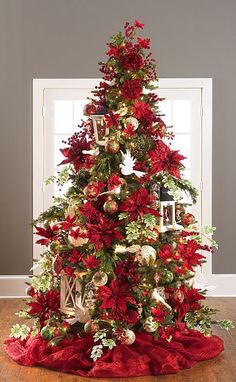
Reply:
x=117, y=292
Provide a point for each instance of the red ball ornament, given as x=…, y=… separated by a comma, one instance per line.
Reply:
x=57, y=264
x=91, y=191
x=91, y=327
x=187, y=219
x=112, y=146
x=89, y=109
x=110, y=206
x=30, y=291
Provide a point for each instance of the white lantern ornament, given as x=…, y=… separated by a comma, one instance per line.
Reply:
x=167, y=211
x=99, y=127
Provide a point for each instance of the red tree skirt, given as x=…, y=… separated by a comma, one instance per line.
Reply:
x=145, y=357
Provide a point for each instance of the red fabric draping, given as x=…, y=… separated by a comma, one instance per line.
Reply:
x=145, y=357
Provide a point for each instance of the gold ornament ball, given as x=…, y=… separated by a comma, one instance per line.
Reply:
x=99, y=279
x=112, y=146
x=47, y=333
x=91, y=327
x=128, y=338
x=123, y=111
x=110, y=206
x=146, y=255
x=167, y=276
x=150, y=325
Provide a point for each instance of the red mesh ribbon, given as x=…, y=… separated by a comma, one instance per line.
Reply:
x=145, y=357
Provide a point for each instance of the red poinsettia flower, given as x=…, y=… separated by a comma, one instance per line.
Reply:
x=189, y=255
x=126, y=270
x=90, y=212
x=78, y=232
x=129, y=130
x=74, y=153
x=49, y=233
x=166, y=253
x=91, y=262
x=115, y=51
x=69, y=223
x=184, y=299
x=163, y=158
x=143, y=112
x=138, y=204
x=159, y=313
x=112, y=119
x=75, y=256
x=116, y=295
x=43, y=305
x=70, y=271
x=93, y=189
x=104, y=232
x=144, y=43
x=137, y=24
x=131, y=89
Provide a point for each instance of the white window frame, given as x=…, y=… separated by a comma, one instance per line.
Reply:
x=224, y=287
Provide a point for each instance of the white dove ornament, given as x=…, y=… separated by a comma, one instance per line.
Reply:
x=127, y=165
x=93, y=152
x=81, y=314
x=159, y=299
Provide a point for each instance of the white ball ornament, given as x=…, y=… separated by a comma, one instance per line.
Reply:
x=99, y=279
x=146, y=255
x=132, y=121
x=128, y=338
x=123, y=111
x=150, y=325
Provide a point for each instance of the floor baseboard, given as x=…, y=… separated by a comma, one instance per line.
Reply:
x=13, y=286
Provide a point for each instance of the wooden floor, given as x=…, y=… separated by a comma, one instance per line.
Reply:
x=220, y=369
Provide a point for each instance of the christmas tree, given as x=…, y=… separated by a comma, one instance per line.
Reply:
x=117, y=291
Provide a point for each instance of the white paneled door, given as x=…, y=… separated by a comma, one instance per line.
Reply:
x=58, y=109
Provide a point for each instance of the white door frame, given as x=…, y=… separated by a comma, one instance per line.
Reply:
x=224, y=288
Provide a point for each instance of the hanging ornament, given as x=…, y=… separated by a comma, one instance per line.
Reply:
x=127, y=165
x=57, y=264
x=100, y=279
x=178, y=295
x=187, y=219
x=89, y=109
x=81, y=313
x=47, y=333
x=128, y=338
x=77, y=242
x=157, y=277
x=132, y=121
x=167, y=276
x=140, y=310
x=91, y=327
x=146, y=255
x=92, y=190
x=89, y=297
x=112, y=146
x=93, y=152
x=30, y=291
x=160, y=297
x=123, y=111
x=110, y=206
x=150, y=325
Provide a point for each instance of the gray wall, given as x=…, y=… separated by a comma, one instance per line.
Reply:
x=66, y=38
